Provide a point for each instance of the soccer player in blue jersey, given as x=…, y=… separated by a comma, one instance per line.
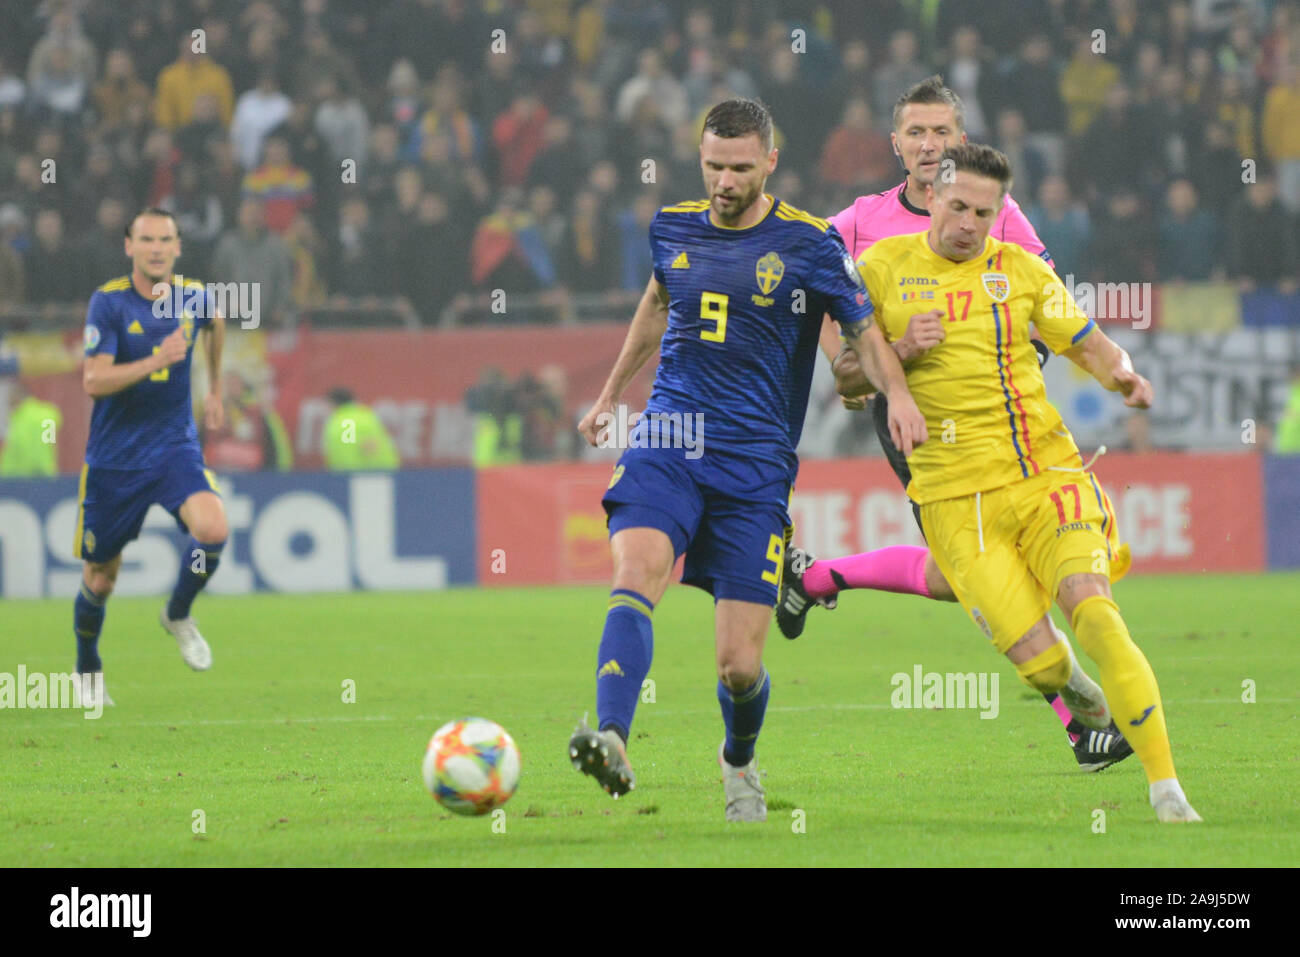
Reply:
x=143, y=446
x=740, y=283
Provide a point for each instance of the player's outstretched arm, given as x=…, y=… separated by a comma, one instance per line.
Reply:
x=101, y=376
x=214, y=342
x=643, y=336
x=880, y=364
x=924, y=332
x=1110, y=365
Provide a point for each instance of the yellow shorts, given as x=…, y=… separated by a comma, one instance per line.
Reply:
x=1006, y=551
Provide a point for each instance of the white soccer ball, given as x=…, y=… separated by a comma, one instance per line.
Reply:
x=471, y=766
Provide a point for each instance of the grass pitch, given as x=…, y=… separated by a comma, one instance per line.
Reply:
x=264, y=752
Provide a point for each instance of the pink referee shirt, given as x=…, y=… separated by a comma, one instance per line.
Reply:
x=875, y=217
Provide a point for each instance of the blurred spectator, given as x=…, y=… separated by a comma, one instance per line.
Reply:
x=305, y=252
x=645, y=138
x=354, y=438
x=498, y=427
x=1287, y=439
x=448, y=117
x=545, y=428
x=342, y=123
x=591, y=129
x=99, y=253
x=284, y=188
x=1137, y=433
x=119, y=88
x=404, y=103
x=57, y=90
x=548, y=221
x=652, y=81
x=1189, y=236
x=428, y=282
x=252, y=253
x=101, y=179
x=507, y=251
x=555, y=166
x=1085, y=86
x=801, y=105
x=1215, y=170
x=856, y=155
x=1027, y=164
x=382, y=163
x=63, y=48
x=194, y=139
x=156, y=172
x=896, y=77
x=517, y=136
x=51, y=261
x=1122, y=239
x=321, y=62
x=590, y=248
x=1230, y=106
x=1112, y=150
x=1281, y=134
x=253, y=436
x=1062, y=225
x=30, y=441
x=199, y=217
x=357, y=269
x=259, y=111
x=13, y=92
x=971, y=78
x=13, y=277
x=188, y=78
x=1261, y=238
x=634, y=228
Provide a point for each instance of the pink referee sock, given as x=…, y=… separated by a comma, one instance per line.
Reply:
x=899, y=568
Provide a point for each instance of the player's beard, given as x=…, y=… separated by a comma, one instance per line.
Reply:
x=743, y=201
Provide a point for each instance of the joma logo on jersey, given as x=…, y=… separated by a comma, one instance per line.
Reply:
x=918, y=281
x=769, y=271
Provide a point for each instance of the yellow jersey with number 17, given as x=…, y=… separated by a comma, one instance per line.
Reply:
x=980, y=390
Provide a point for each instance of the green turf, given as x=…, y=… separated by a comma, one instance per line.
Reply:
x=286, y=773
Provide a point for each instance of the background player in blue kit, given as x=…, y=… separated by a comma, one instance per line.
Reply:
x=143, y=446
x=740, y=283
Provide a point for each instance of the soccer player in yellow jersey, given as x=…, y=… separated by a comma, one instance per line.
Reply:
x=1011, y=513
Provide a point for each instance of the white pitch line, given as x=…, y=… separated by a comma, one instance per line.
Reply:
x=854, y=706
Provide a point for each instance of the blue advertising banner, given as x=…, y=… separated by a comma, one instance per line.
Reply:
x=292, y=532
x=1282, y=510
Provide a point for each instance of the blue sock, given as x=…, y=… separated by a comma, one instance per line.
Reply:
x=198, y=563
x=626, y=647
x=88, y=622
x=742, y=713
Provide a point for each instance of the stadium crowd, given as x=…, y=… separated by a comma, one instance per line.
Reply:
x=327, y=147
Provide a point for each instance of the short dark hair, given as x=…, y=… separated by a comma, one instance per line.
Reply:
x=340, y=395
x=931, y=90
x=979, y=159
x=740, y=117
x=152, y=211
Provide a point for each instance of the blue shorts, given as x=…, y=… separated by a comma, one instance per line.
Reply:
x=113, y=502
x=729, y=515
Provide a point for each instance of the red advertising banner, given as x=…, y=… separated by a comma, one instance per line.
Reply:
x=1179, y=513
x=417, y=380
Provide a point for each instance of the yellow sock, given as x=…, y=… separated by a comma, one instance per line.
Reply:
x=1128, y=682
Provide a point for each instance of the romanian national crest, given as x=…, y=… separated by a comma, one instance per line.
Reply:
x=769, y=271
x=997, y=286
